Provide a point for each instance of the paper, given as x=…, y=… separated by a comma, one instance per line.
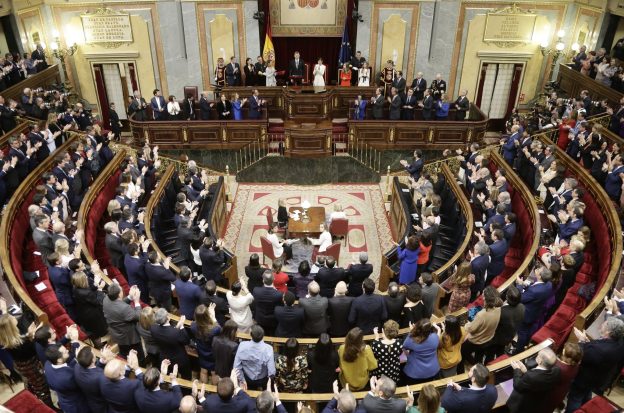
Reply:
x=40, y=286
x=405, y=190
x=541, y=211
x=478, y=224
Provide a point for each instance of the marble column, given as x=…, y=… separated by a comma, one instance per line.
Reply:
x=365, y=8
x=252, y=33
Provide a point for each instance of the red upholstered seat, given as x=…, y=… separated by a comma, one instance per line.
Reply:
x=584, y=278
x=26, y=402
x=598, y=404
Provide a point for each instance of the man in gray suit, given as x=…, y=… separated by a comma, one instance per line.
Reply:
x=378, y=104
x=381, y=398
x=543, y=165
x=395, y=104
x=315, y=311
x=42, y=237
x=122, y=316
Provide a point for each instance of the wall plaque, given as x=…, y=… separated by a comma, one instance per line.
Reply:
x=107, y=27
x=509, y=25
x=307, y=17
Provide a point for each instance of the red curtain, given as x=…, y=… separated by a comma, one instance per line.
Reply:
x=310, y=48
x=101, y=95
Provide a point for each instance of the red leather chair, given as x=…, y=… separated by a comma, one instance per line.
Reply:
x=267, y=249
x=339, y=227
x=333, y=251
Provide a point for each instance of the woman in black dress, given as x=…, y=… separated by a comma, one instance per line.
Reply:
x=224, y=348
x=250, y=72
x=322, y=362
x=224, y=108
x=414, y=308
x=88, y=302
x=254, y=272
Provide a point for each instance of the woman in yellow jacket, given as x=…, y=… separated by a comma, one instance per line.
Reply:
x=449, y=349
x=356, y=360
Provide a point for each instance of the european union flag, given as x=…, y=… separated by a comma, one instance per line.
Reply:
x=345, y=46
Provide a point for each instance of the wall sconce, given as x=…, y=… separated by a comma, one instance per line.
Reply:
x=556, y=52
x=61, y=53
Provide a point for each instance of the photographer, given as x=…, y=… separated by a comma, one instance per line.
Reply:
x=40, y=109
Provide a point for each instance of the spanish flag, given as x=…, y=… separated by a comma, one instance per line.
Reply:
x=268, y=53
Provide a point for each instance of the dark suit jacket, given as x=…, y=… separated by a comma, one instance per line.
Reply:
x=189, y=297
x=224, y=107
x=419, y=87
x=498, y=250
x=160, y=280
x=232, y=74
x=356, y=274
x=171, y=341
x=534, y=297
x=379, y=405
x=400, y=85
x=368, y=312
x=294, y=70
x=468, y=400
x=531, y=389
x=338, y=310
x=265, y=300
x=378, y=107
x=290, y=321
x=187, y=109
x=463, y=105
x=43, y=240
x=212, y=262
x=427, y=107
x=160, y=401
x=61, y=281
x=395, y=107
x=602, y=361
x=122, y=318
x=479, y=266
x=255, y=109
x=327, y=278
x=239, y=403
x=394, y=306
x=115, y=250
x=89, y=382
x=204, y=109
x=62, y=381
x=415, y=168
x=315, y=311
x=185, y=237
x=221, y=306
x=120, y=394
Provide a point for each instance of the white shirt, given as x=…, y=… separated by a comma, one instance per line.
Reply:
x=278, y=250
x=239, y=309
x=323, y=241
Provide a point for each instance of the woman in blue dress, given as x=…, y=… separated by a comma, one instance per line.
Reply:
x=442, y=109
x=408, y=256
x=204, y=329
x=237, y=105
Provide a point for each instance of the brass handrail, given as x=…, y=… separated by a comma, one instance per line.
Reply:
x=252, y=152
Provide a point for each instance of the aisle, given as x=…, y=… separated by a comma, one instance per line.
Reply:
x=369, y=229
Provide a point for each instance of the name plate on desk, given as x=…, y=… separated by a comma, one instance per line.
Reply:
x=509, y=25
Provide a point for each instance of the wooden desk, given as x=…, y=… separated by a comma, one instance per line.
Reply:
x=307, y=140
x=297, y=229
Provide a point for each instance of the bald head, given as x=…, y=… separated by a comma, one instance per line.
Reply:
x=188, y=405
x=546, y=358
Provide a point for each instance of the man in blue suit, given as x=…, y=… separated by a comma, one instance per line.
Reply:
x=88, y=374
x=266, y=298
x=510, y=145
x=479, y=397
x=534, y=296
x=497, y=217
x=569, y=224
x=159, y=106
x=479, y=261
x=510, y=226
x=171, y=341
x=60, y=378
x=228, y=399
x=160, y=278
x=189, y=294
x=359, y=107
x=61, y=281
x=615, y=176
x=255, y=105
x=151, y=398
x=134, y=263
x=117, y=389
x=416, y=167
x=498, y=250
x=368, y=310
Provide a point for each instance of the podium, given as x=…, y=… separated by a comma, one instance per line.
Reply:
x=307, y=102
x=307, y=139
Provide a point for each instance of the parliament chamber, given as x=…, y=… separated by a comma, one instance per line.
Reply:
x=270, y=205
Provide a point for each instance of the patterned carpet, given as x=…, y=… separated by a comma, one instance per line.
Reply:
x=369, y=229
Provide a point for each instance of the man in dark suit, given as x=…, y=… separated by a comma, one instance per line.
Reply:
x=187, y=234
x=134, y=264
x=381, y=398
x=232, y=73
x=189, y=294
x=204, y=106
x=409, y=104
x=357, y=273
x=510, y=226
x=38, y=55
x=88, y=375
x=419, y=85
x=427, y=105
x=188, y=107
x=42, y=237
x=315, y=311
x=159, y=106
x=160, y=278
x=114, y=245
x=462, y=105
x=266, y=298
x=114, y=122
x=137, y=107
x=378, y=104
x=399, y=83
x=338, y=310
x=255, y=105
x=329, y=276
x=498, y=250
x=61, y=281
x=117, y=389
x=479, y=261
x=480, y=397
x=416, y=167
x=356, y=63
x=213, y=260
x=221, y=305
x=395, y=300
x=395, y=104
x=534, y=297
x=579, y=57
x=151, y=398
x=296, y=69
x=569, y=224
x=7, y=116
x=601, y=363
x=171, y=341
x=60, y=377
x=368, y=310
x=229, y=398
x=613, y=181
x=531, y=388
x=438, y=87
x=290, y=319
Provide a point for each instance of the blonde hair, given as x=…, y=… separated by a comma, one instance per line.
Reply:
x=338, y=208
x=61, y=247
x=9, y=334
x=281, y=202
x=146, y=318
x=113, y=204
x=79, y=280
